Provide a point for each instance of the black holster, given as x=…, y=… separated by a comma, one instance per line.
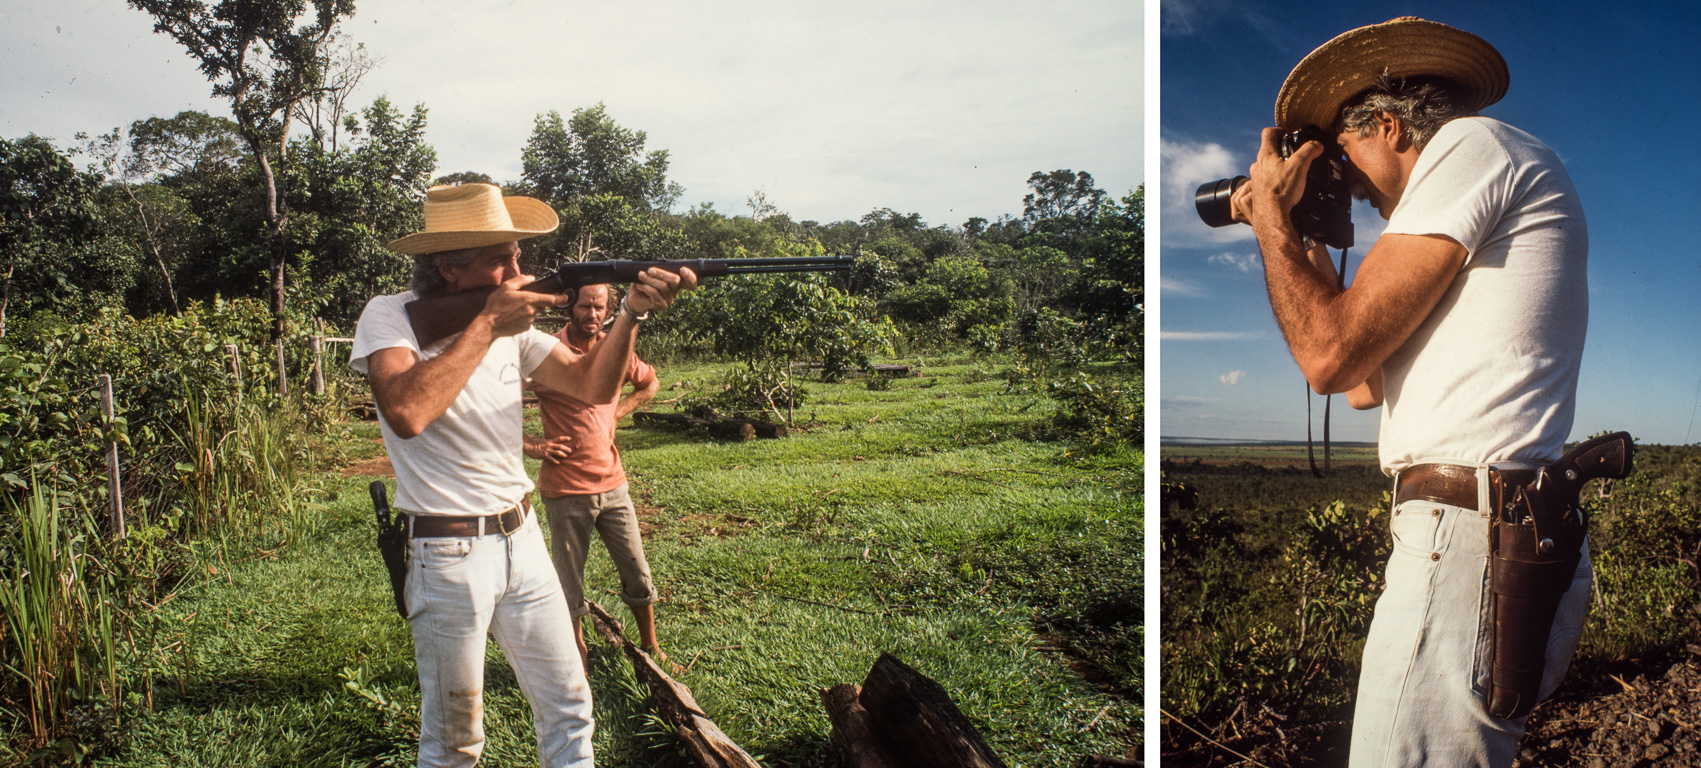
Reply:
x=392, y=544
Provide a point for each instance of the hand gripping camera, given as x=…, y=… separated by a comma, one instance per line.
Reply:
x=1324, y=211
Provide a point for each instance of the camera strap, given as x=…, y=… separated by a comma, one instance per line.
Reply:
x=1340, y=284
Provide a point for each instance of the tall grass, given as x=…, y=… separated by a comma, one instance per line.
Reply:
x=56, y=601
x=244, y=469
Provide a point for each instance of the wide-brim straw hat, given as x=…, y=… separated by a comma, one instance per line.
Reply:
x=1408, y=46
x=474, y=216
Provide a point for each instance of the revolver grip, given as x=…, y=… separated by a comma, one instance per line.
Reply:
x=1604, y=456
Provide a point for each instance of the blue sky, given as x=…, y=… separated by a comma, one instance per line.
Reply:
x=1610, y=87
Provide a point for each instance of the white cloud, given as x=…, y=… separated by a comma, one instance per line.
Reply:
x=929, y=112
x=1186, y=165
x=1212, y=335
x=1172, y=286
x=1245, y=262
x=1232, y=377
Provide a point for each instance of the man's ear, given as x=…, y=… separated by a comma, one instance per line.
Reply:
x=1393, y=131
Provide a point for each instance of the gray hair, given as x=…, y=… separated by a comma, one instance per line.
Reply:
x=428, y=278
x=1422, y=105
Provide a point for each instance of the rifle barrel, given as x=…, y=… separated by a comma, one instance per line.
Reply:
x=747, y=269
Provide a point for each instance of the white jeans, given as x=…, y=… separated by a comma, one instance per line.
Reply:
x=459, y=589
x=1421, y=696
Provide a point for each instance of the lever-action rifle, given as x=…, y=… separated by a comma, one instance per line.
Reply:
x=439, y=317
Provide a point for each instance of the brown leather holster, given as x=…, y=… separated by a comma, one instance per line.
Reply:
x=1531, y=566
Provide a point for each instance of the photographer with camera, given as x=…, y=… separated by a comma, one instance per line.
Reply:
x=1465, y=321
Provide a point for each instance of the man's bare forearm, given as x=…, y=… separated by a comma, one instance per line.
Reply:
x=1302, y=298
x=636, y=399
x=412, y=396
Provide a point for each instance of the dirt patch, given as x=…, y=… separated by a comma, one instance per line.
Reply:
x=378, y=467
x=1648, y=718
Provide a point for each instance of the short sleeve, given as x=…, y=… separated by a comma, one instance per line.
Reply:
x=640, y=373
x=383, y=324
x=1461, y=187
x=535, y=347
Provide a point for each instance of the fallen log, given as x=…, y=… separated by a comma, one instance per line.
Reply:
x=724, y=430
x=905, y=719
x=891, y=370
x=702, y=739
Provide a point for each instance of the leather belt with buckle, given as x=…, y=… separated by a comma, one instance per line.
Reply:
x=442, y=526
x=1456, y=484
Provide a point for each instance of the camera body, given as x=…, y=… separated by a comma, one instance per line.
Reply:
x=1324, y=210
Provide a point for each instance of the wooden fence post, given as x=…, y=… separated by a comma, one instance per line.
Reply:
x=283, y=376
x=114, y=484
x=316, y=384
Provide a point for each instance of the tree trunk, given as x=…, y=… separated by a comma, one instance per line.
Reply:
x=6, y=295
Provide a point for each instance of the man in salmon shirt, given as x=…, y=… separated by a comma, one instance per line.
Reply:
x=584, y=484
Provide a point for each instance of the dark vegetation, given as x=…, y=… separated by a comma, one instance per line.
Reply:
x=1270, y=577
x=146, y=251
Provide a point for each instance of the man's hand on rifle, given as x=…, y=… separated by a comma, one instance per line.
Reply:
x=511, y=310
x=656, y=289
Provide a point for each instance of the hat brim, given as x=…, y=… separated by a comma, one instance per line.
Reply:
x=1405, y=47
x=531, y=217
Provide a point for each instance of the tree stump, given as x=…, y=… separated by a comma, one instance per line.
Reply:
x=853, y=729
x=903, y=719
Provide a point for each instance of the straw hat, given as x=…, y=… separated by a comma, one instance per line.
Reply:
x=473, y=216
x=1350, y=64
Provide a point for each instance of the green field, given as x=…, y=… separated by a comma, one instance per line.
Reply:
x=925, y=519
x=1270, y=576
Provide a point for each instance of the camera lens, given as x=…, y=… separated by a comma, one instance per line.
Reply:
x=1212, y=201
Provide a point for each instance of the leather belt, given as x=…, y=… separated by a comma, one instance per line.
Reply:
x=1456, y=484
x=444, y=526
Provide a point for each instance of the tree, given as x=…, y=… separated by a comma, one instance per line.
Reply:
x=265, y=65
x=608, y=190
x=350, y=203
x=147, y=215
x=1062, y=206
x=325, y=111
x=591, y=154
x=45, y=202
x=464, y=177
x=1061, y=194
x=1109, y=292
x=768, y=322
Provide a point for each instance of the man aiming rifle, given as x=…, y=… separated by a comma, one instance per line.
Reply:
x=451, y=419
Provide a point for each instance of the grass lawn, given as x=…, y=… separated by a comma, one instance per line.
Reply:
x=921, y=519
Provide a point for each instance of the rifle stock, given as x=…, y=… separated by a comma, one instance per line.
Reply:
x=438, y=317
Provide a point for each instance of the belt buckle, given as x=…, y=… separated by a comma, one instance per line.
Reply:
x=503, y=528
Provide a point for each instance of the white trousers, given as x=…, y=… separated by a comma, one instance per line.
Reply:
x=1421, y=696
x=458, y=590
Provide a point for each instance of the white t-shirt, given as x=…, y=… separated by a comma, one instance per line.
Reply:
x=1491, y=375
x=469, y=461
